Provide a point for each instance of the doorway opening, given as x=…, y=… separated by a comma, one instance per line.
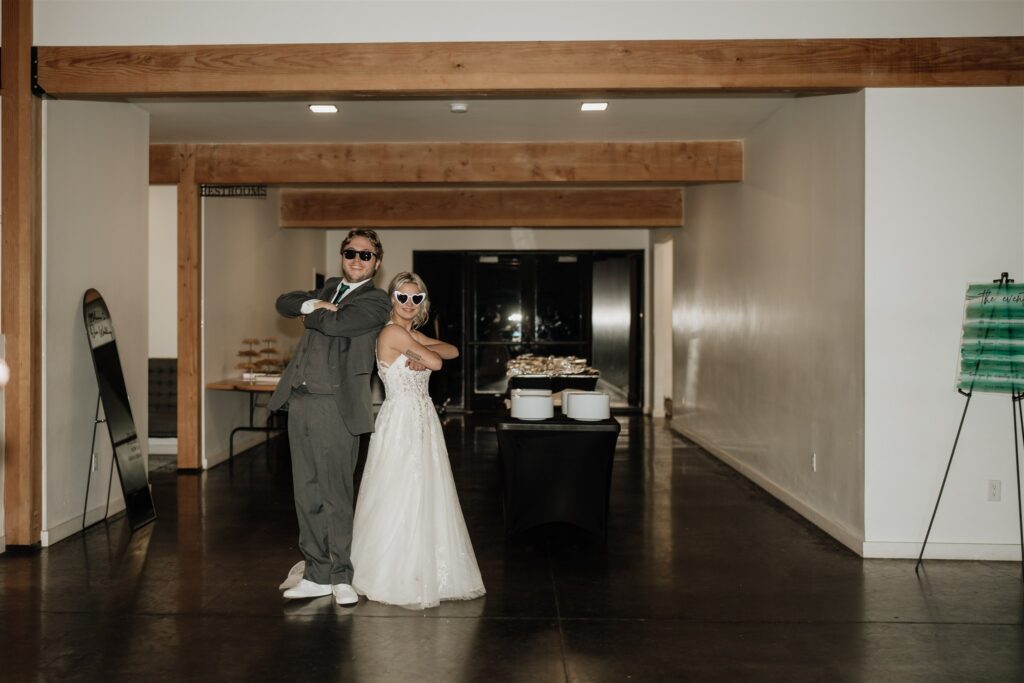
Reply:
x=498, y=305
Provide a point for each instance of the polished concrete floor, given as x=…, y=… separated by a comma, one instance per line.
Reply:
x=704, y=578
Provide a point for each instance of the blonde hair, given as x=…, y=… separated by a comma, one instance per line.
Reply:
x=406, y=278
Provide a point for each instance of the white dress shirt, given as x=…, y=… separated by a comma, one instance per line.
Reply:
x=307, y=306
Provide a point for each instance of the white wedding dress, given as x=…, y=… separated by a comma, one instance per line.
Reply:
x=410, y=546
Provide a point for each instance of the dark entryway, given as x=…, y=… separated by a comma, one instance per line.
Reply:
x=499, y=305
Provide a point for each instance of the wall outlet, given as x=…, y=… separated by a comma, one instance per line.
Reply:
x=814, y=462
x=95, y=463
x=995, y=491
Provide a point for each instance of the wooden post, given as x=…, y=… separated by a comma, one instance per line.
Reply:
x=22, y=268
x=190, y=272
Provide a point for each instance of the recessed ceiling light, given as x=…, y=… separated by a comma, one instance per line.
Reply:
x=593, y=106
x=323, y=109
x=458, y=107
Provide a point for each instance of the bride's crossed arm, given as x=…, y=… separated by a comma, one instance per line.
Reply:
x=444, y=349
x=394, y=341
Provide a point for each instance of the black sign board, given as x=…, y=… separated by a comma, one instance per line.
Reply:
x=131, y=465
x=244, y=191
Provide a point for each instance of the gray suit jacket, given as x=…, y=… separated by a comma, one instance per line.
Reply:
x=350, y=335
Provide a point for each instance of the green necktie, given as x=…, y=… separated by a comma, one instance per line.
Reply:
x=341, y=292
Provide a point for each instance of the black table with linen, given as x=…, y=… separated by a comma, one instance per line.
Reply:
x=557, y=470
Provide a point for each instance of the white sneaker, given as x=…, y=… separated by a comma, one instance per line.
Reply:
x=308, y=589
x=344, y=594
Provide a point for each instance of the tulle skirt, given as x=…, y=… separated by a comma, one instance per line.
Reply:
x=410, y=546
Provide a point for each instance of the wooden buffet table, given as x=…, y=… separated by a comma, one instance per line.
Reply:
x=253, y=389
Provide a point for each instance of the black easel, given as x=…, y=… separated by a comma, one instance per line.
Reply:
x=1018, y=416
x=96, y=422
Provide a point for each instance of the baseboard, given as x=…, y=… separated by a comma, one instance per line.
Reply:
x=841, y=533
x=243, y=442
x=71, y=527
x=163, y=445
x=3, y=546
x=943, y=551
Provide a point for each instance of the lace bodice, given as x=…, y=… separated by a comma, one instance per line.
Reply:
x=401, y=381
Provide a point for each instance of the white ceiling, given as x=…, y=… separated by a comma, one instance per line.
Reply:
x=691, y=118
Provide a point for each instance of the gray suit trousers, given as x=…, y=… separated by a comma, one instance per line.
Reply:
x=324, y=456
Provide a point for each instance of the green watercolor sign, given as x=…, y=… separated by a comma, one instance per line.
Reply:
x=992, y=339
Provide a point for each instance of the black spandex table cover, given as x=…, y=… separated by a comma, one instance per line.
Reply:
x=557, y=470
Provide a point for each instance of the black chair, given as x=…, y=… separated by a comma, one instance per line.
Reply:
x=163, y=397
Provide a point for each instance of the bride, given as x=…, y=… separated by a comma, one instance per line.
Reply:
x=410, y=546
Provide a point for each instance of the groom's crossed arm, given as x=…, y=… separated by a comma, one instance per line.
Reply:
x=354, y=317
x=289, y=304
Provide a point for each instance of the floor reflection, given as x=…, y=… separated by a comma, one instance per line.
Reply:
x=704, y=577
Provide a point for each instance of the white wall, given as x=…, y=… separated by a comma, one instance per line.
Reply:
x=769, y=308
x=163, y=271
x=400, y=244
x=247, y=262
x=95, y=196
x=661, y=320
x=112, y=22
x=945, y=206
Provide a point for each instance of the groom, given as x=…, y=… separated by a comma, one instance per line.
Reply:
x=327, y=388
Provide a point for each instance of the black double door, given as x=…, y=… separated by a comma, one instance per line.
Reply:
x=499, y=305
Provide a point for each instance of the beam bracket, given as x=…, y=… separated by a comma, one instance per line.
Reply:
x=37, y=89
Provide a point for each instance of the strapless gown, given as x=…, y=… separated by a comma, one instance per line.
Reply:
x=410, y=546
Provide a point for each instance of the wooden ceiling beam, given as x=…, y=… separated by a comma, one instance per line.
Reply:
x=482, y=207
x=165, y=164
x=457, y=162
x=549, y=68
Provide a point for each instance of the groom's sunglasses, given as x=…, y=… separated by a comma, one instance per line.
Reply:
x=350, y=254
x=403, y=298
